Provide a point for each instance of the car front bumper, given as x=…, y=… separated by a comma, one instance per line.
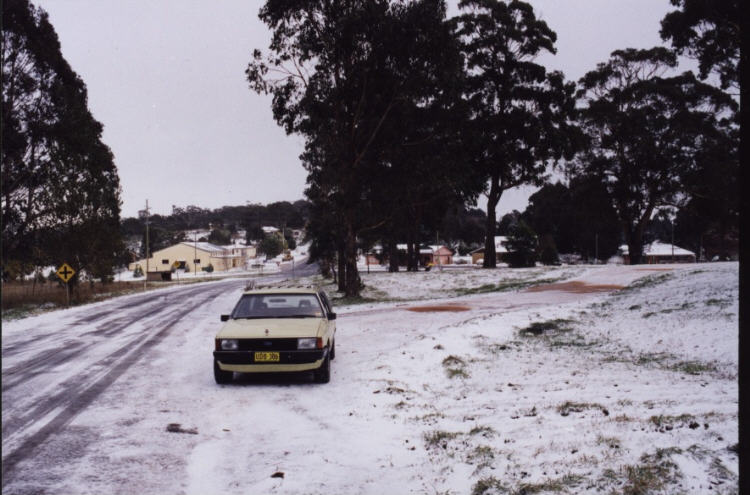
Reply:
x=289, y=361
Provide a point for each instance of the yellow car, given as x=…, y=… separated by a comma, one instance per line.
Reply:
x=273, y=330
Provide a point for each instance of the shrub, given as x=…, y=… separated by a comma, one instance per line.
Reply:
x=272, y=245
x=138, y=271
x=209, y=268
x=522, y=246
x=548, y=251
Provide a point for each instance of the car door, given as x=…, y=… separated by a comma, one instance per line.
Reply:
x=331, y=332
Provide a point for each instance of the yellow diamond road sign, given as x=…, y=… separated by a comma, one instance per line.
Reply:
x=65, y=272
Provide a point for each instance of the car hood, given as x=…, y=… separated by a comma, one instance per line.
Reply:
x=272, y=328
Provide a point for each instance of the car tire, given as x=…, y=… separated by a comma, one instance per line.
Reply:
x=333, y=350
x=222, y=376
x=323, y=374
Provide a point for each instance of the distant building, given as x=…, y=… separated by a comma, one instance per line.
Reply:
x=194, y=256
x=477, y=256
x=660, y=252
x=436, y=255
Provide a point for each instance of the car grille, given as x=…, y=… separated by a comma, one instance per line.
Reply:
x=267, y=344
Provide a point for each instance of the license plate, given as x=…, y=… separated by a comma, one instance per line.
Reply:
x=266, y=357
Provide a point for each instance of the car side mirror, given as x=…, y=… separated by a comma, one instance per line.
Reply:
x=331, y=316
x=224, y=317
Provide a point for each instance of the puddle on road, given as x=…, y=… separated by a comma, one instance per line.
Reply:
x=576, y=287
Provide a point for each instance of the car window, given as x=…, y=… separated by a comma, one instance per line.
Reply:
x=326, y=302
x=277, y=306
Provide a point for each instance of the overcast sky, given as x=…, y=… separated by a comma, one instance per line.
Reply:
x=166, y=78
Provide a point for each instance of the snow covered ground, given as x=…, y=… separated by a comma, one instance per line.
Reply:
x=461, y=381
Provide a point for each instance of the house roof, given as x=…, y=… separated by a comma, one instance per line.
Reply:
x=436, y=248
x=206, y=246
x=658, y=248
x=500, y=241
x=500, y=248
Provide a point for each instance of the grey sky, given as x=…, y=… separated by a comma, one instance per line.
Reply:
x=166, y=78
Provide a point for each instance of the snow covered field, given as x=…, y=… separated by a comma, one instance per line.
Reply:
x=461, y=381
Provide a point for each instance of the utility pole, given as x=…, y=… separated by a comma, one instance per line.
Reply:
x=144, y=214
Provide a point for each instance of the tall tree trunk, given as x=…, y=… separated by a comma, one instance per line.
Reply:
x=490, y=255
x=353, y=281
x=409, y=256
x=635, y=249
x=341, y=259
x=392, y=255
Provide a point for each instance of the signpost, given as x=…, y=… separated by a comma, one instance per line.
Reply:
x=65, y=272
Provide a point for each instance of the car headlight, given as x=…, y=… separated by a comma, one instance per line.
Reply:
x=307, y=343
x=229, y=344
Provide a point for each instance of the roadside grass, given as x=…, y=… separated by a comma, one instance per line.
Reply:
x=482, y=456
x=492, y=485
x=509, y=285
x=694, y=367
x=574, y=341
x=611, y=442
x=20, y=300
x=485, y=431
x=568, y=407
x=439, y=438
x=647, y=282
x=652, y=474
x=661, y=421
x=352, y=301
x=665, y=361
x=720, y=303
x=455, y=367
x=556, y=325
x=24, y=299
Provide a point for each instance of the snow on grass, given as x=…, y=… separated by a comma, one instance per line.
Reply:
x=382, y=289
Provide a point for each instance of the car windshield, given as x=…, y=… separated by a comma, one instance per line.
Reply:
x=278, y=306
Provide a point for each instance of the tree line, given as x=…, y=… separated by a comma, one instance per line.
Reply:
x=60, y=188
x=221, y=223
x=406, y=113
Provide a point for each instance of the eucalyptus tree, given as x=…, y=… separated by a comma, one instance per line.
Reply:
x=60, y=189
x=647, y=134
x=521, y=115
x=709, y=31
x=339, y=71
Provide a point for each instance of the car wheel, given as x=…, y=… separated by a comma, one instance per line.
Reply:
x=220, y=375
x=333, y=350
x=323, y=375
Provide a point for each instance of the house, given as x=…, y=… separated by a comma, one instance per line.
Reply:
x=477, y=256
x=193, y=257
x=436, y=255
x=660, y=252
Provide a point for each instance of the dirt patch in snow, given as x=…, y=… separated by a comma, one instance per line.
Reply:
x=426, y=309
x=576, y=287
